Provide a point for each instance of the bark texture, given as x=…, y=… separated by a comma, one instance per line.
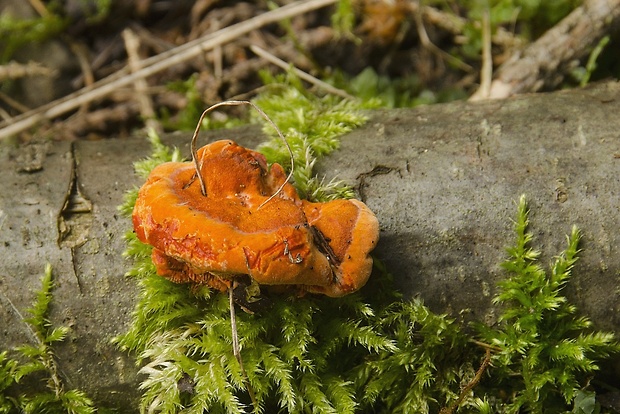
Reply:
x=443, y=181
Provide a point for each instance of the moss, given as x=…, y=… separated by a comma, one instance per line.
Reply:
x=36, y=360
x=545, y=353
x=292, y=351
x=312, y=126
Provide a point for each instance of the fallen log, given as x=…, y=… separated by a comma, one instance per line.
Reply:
x=443, y=181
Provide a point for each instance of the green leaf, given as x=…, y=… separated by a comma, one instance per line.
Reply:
x=57, y=335
x=585, y=403
x=7, y=369
x=28, y=368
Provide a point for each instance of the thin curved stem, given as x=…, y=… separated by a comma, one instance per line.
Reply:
x=235, y=343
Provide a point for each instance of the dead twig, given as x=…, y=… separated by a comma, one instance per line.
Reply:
x=486, y=73
x=236, y=349
x=132, y=45
x=4, y=114
x=14, y=70
x=98, y=120
x=13, y=103
x=467, y=388
x=154, y=65
x=39, y=7
x=81, y=52
x=429, y=45
x=455, y=24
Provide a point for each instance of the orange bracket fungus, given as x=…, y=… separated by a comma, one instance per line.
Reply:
x=228, y=214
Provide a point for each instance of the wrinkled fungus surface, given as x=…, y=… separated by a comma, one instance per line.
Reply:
x=232, y=230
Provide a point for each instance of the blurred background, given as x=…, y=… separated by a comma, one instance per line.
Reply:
x=395, y=53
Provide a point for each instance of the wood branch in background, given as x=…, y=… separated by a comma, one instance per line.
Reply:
x=300, y=73
x=545, y=62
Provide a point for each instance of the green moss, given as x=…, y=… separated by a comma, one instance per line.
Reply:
x=292, y=352
x=343, y=19
x=185, y=120
x=18, y=32
x=545, y=353
x=36, y=359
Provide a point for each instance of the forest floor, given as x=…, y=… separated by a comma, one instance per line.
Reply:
x=90, y=70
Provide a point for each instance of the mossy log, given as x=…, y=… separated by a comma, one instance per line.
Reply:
x=443, y=181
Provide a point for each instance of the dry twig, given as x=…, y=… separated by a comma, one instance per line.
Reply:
x=39, y=7
x=79, y=50
x=467, y=388
x=455, y=24
x=13, y=104
x=14, y=70
x=142, y=94
x=486, y=74
x=237, y=349
x=429, y=45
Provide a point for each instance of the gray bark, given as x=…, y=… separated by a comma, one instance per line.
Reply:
x=443, y=181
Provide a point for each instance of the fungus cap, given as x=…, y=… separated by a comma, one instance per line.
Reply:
x=232, y=230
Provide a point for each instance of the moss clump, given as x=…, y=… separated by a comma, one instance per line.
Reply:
x=312, y=126
x=37, y=359
x=544, y=354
